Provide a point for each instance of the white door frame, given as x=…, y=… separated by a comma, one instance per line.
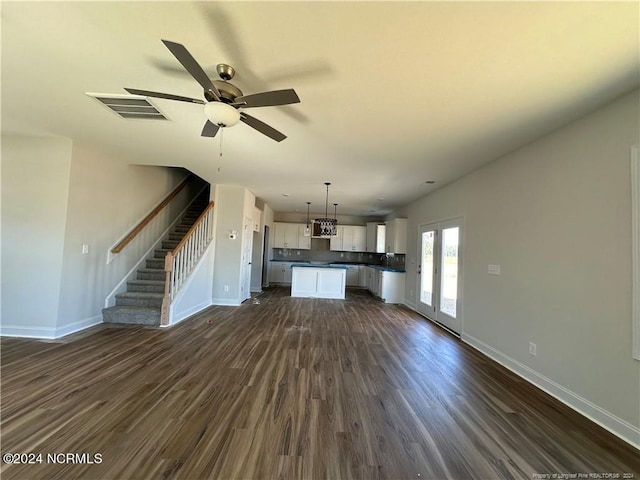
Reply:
x=455, y=325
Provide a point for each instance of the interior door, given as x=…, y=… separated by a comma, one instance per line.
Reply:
x=440, y=273
x=247, y=247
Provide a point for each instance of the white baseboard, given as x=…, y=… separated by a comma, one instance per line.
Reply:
x=233, y=302
x=27, y=332
x=45, y=333
x=77, y=326
x=619, y=427
x=410, y=305
x=256, y=290
x=178, y=317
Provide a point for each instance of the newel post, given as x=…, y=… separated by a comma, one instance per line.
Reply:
x=166, y=300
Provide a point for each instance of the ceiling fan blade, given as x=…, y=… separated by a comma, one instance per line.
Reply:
x=262, y=127
x=210, y=129
x=268, y=99
x=193, y=67
x=166, y=96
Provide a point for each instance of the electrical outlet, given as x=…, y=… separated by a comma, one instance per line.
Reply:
x=226, y=288
x=494, y=270
x=298, y=253
x=341, y=255
x=532, y=349
x=85, y=248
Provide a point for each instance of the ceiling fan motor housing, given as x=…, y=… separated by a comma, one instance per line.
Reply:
x=228, y=92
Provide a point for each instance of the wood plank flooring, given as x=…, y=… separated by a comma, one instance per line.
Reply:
x=288, y=389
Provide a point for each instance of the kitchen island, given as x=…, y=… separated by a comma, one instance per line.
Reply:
x=318, y=281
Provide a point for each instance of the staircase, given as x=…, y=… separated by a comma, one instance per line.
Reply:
x=141, y=304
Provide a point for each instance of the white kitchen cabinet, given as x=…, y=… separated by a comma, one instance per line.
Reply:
x=286, y=235
x=318, y=282
x=396, y=236
x=373, y=280
x=280, y=273
x=375, y=237
x=362, y=276
x=388, y=286
x=350, y=238
x=353, y=275
x=354, y=238
x=391, y=288
x=335, y=242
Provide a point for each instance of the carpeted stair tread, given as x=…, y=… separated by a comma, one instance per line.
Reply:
x=132, y=315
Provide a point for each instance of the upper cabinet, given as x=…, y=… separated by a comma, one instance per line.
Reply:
x=349, y=238
x=286, y=235
x=376, y=237
x=396, y=236
x=290, y=235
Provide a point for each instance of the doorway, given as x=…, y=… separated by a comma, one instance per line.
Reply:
x=247, y=246
x=440, y=273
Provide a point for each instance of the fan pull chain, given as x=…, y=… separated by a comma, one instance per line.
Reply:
x=221, y=135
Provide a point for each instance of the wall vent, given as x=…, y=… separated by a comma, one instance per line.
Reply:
x=130, y=106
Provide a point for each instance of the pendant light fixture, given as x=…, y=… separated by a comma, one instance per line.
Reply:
x=307, y=230
x=328, y=226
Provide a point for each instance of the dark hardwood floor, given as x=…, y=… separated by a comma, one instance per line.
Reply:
x=288, y=388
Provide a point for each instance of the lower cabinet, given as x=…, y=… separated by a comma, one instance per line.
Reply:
x=280, y=273
x=388, y=286
x=391, y=287
x=353, y=276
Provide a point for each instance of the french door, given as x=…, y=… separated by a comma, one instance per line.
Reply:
x=440, y=272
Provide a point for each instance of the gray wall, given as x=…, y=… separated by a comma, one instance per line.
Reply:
x=233, y=203
x=35, y=181
x=556, y=216
x=57, y=196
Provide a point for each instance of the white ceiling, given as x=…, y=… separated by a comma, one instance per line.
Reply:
x=392, y=93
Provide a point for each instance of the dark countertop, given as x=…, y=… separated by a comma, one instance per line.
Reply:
x=307, y=263
x=313, y=265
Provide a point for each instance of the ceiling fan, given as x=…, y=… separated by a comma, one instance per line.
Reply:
x=224, y=101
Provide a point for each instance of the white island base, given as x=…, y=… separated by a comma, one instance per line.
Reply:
x=318, y=281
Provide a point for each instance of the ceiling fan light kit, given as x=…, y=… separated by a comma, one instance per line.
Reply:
x=223, y=99
x=221, y=114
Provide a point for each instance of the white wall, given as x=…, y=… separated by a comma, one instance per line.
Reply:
x=556, y=216
x=35, y=180
x=107, y=198
x=230, y=213
x=57, y=196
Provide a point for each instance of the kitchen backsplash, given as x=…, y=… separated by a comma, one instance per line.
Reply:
x=395, y=261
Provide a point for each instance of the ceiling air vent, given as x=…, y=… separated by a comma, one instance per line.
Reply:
x=130, y=106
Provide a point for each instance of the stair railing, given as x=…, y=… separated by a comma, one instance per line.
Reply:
x=179, y=263
x=146, y=220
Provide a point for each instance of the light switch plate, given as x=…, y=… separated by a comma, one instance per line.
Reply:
x=494, y=269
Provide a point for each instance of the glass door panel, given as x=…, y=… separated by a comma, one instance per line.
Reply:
x=449, y=271
x=426, y=290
